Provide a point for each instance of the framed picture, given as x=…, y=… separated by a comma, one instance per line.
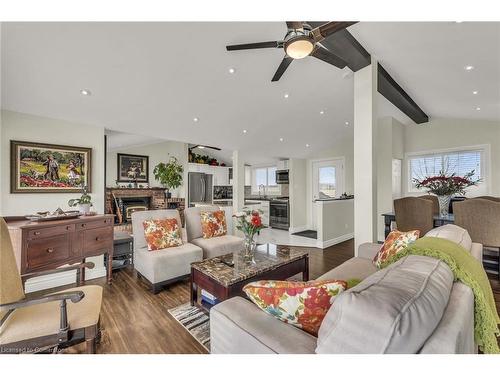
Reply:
x=47, y=168
x=132, y=168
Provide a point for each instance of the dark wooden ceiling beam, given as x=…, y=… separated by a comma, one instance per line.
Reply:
x=343, y=44
x=393, y=92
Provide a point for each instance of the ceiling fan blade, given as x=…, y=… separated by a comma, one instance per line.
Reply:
x=281, y=69
x=273, y=44
x=323, y=54
x=294, y=25
x=204, y=146
x=332, y=27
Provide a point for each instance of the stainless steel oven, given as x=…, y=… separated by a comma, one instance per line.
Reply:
x=279, y=214
x=282, y=177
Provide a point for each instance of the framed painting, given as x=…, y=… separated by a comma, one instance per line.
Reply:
x=132, y=168
x=48, y=168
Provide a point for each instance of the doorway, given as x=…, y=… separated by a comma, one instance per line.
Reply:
x=327, y=183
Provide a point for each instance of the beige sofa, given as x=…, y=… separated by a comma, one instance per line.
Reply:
x=212, y=247
x=412, y=306
x=162, y=267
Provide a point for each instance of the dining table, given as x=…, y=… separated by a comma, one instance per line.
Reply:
x=439, y=220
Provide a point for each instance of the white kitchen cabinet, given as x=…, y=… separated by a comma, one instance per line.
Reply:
x=221, y=176
x=282, y=165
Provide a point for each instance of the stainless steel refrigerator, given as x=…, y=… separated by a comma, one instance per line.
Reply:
x=199, y=188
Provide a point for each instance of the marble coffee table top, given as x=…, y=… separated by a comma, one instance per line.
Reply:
x=231, y=268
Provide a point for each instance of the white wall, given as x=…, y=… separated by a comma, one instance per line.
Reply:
x=452, y=133
x=390, y=134
x=157, y=152
x=24, y=127
x=335, y=222
x=297, y=193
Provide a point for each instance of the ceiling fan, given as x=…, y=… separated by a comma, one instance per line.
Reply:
x=302, y=39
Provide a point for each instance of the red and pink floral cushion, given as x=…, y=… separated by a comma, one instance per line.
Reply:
x=302, y=304
x=393, y=244
x=162, y=233
x=213, y=224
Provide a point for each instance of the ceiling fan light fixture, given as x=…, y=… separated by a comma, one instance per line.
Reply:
x=299, y=47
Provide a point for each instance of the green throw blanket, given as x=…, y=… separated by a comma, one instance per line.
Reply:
x=469, y=271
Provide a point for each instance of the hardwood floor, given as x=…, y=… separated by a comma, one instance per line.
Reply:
x=136, y=321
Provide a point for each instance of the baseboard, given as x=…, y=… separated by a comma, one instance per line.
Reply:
x=334, y=241
x=297, y=229
x=60, y=279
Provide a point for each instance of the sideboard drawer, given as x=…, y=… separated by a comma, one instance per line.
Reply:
x=50, y=231
x=96, y=240
x=47, y=250
x=95, y=224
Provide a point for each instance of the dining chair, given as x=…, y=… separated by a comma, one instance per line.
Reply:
x=489, y=198
x=414, y=213
x=481, y=218
x=434, y=200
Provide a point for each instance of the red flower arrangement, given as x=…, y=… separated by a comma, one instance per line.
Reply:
x=444, y=184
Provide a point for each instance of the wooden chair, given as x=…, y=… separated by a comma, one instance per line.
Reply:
x=44, y=323
x=434, y=200
x=414, y=213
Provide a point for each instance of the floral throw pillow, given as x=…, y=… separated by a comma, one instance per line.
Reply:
x=302, y=304
x=162, y=233
x=213, y=224
x=393, y=244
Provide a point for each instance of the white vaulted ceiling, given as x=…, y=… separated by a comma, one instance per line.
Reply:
x=152, y=79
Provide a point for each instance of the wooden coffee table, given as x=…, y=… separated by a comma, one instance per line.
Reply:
x=225, y=276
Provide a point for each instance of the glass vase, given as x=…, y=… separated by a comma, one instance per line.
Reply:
x=249, y=246
x=444, y=204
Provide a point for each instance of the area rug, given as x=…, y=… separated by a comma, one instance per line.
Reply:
x=195, y=320
x=307, y=233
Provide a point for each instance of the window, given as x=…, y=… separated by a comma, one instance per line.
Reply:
x=459, y=162
x=265, y=176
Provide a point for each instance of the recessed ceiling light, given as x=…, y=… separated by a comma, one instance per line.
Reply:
x=468, y=67
x=478, y=108
x=475, y=92
x=85, y=92
x=231, y=70
x=307, y=144
x=321, y=112
x=244, y=131
x=281, y=139
x=347, y=123
x=286, y=96
x=196, y=119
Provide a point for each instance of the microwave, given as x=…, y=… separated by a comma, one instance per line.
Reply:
x=282, y=177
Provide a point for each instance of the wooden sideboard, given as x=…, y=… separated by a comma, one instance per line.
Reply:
x=46, y=245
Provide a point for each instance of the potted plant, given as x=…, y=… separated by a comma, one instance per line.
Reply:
x=169, y=174
x=84, y=202
x=444, y=186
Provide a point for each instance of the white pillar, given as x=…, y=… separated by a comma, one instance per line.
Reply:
x=365, y=161
x=238, y=182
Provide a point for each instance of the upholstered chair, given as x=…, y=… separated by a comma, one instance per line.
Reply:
x=214, y=246
x=47, y=322
x=165, y=266
x=414, y=213
x=481, y=218
x=489, y=198
x=434, y=200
